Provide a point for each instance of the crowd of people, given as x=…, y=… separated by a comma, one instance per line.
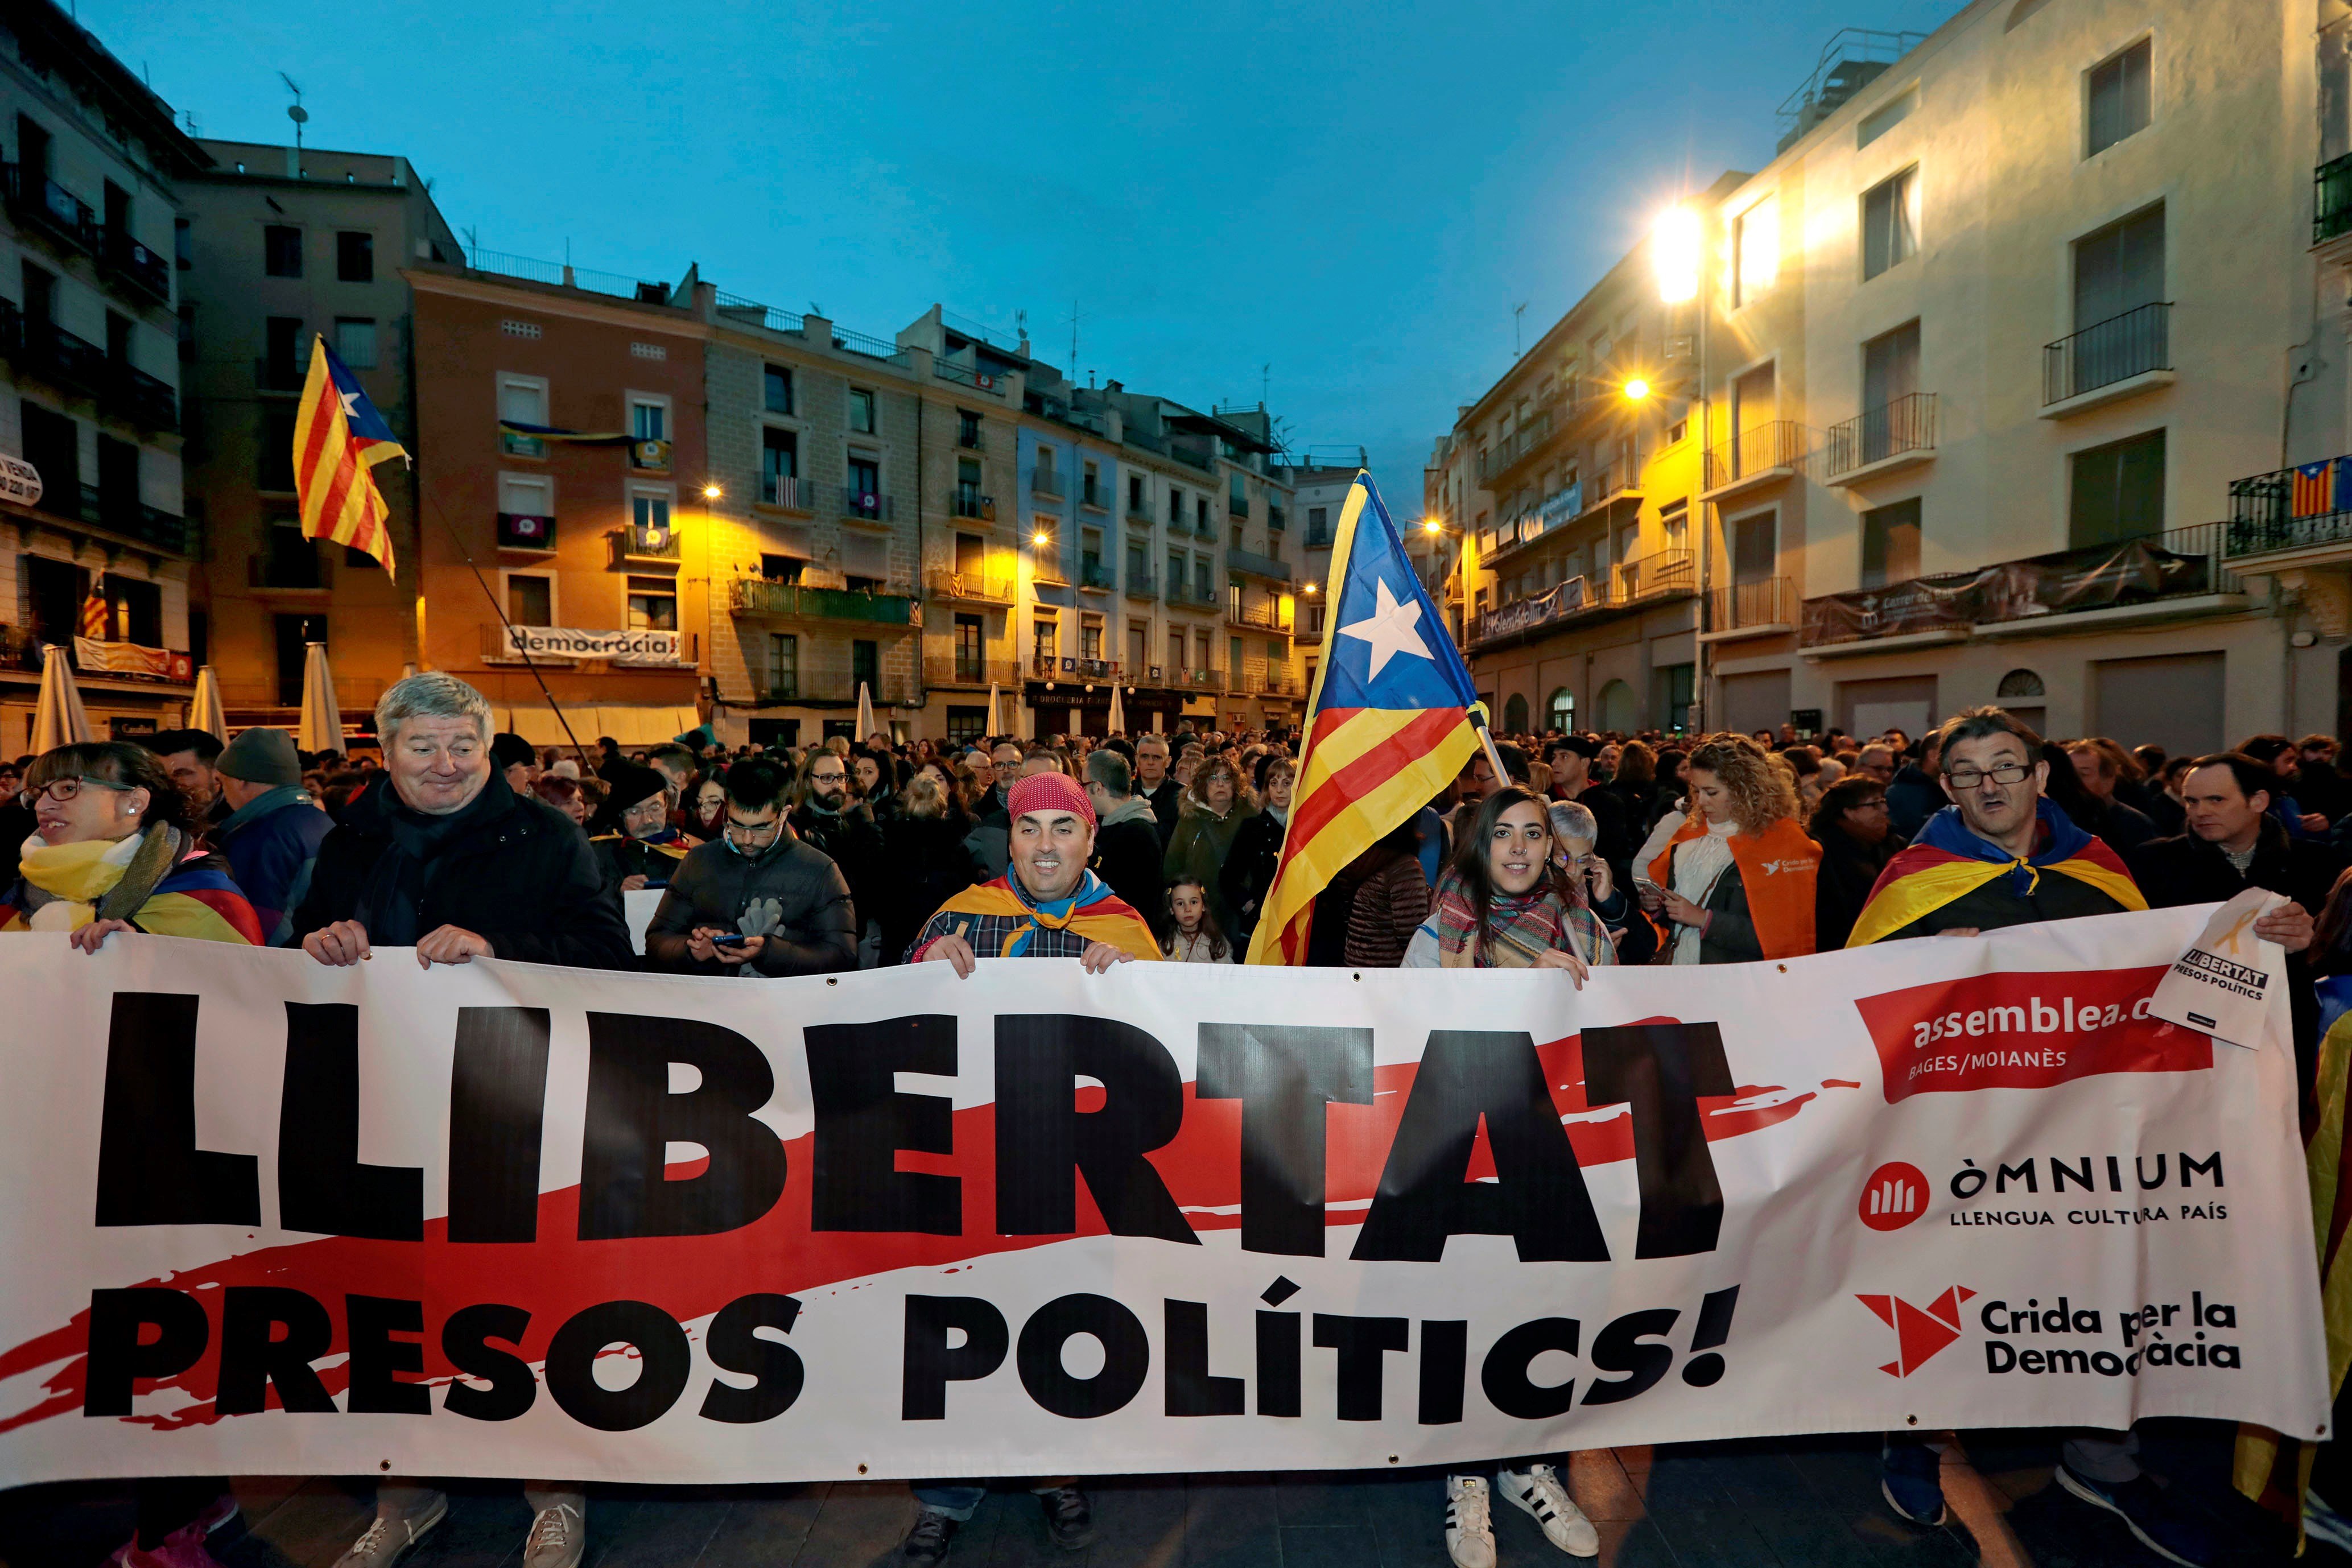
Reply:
x=1559, y=850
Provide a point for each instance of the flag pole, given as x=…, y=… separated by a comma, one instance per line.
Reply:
x=1486, y=739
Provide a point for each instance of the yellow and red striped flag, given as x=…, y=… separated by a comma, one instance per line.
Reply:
x=339, y=436
x=1388, y=726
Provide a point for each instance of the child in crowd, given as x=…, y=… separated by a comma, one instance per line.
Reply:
x=1196, y=938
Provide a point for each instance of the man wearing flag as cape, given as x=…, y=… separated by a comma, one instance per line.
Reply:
x=1393, y=720
x=339, y=438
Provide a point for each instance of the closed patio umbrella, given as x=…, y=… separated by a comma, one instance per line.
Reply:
x=321, y=727
x=1118, y=711
x=206, y=713
x=992, y=732
x=57, y=716
x=865, y=712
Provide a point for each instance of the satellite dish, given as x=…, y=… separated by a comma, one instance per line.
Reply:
x=297, y=114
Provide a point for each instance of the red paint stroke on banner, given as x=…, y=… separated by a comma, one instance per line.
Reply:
x=693, y=1276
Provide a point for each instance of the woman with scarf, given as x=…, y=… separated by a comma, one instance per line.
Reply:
x=1499, y=906
x=1249, y=870
x=112, y=849
x=1212, y=818
x=1737, y=879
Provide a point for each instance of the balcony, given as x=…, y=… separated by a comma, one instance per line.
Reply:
x=2300, y=516
x=1192, y=595
x=58, y=356
x=958, y=670
x=796, y=601
x=1095, y=577
x=1248, y=564
x=1639, y=583
x=1094, y=496
x=788, y=491
x=2117, y=358
x=1140, y=583
x=1767, y=607
x=1203, y=526
x=136, y=264
x=1237, y=508
x=837, y=690
x=965, y=375
x=1268, y=617
x=144, y=400
x=1046, y=667
x=1046, y=482
x=527, y=531
x=47, y=206
x=971, y=588
x=2331, y=205
x=1047, y=571
x=132, y=520
x=632, y=542
x=978, y=508
x=1196, y=680
x=1882, y=440
x=1139, y=516
x=1277, y=518
x=865, y=506
x=2152, y=577
x=1200, y=458
x=1762, y=455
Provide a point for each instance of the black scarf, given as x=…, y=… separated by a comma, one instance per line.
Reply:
x=391, y=904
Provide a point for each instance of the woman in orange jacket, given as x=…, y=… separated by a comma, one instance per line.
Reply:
x=1736, y=882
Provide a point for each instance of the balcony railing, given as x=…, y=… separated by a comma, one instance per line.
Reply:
x=1648, y=579
x=1249, y=564
x=1094, y=496
x=630, y=543
x=1203, y=526
x=1277, y=518
x=50, y=205
x=1907, y=425
x=1046, y=570
x=973, y=440
x=49, y=351
x=1197, y=456
x=1266, y=617
x=865, y=506
x=973, y=587
x=1768, y=602
x=1048, y=667
x=1046, y=482
x=1191, y=593
x=964, y=503
x=965, y=375
x=1197, y=679
x=793, y=601
x=1140, y=583
x=787, y=490
x=2186, y=562
x=141, y=398
x=1097, y=576
x=958, y=670
x=1238, y=507
x=838, y=690
x=2292, y=508
x=127, y=258
x=526, y=530
x=2134, y=343
x=1141, y=514
x=1773, y=445
x=2331, y=205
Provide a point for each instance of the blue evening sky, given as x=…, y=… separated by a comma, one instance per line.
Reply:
x=1354, y=196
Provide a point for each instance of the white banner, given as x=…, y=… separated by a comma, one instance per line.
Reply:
x=572, y=642
x=269, y=1217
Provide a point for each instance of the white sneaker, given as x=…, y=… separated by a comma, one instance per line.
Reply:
x=387, y=1541
x=1539, y=1490
x=558, y=1538
x=1469, y=1527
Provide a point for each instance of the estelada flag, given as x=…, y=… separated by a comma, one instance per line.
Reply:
x=1947, y=862
x=339, y=436
x=1387, y=725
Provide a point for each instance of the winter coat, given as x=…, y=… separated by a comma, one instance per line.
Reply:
x=1127, y=858
x=1911, y=799
x=272, y=845
x=510, y=868
x=1198, y=848
x=1167, y=805
x=926, y=860
x=1849, y=871
x=1248, y=870
x=815, y=923
x=852, y=841
x=1388, y=906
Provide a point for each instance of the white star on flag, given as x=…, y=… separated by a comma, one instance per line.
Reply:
x=1391, y=629
x=349, y=400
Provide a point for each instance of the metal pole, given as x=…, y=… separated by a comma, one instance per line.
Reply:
x=1706, y=523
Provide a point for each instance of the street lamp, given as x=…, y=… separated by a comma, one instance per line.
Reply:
x=711, y=492
x=1636, y=389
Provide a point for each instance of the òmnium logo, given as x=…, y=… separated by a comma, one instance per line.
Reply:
x=1919, y=1331
x=1895, y=1195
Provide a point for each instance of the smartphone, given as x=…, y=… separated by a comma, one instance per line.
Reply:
x=729, y=939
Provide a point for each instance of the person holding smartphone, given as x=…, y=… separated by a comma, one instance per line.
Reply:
x=755, y=901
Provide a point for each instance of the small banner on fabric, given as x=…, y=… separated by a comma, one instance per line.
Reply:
x=2227, y=981
x=92, y=656
x=571, y=642
x=271, y=1217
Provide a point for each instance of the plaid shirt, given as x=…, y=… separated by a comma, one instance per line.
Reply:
x=989, y=934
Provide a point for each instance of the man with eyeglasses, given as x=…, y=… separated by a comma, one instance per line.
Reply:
x=634, y=839
x=755, y=901
x=843, y=829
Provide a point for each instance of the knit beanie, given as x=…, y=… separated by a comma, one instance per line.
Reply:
x=1048, y=791
x=263, y=757
x=507, y=750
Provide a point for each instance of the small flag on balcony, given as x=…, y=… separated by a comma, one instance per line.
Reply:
x=339, y=438
x=2316, y=492
x=94, y=617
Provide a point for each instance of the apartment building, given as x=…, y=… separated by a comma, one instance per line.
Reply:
x=280, y=245
x=1318, y=494
x=90, y=491
x=561, y=485
x=1984, y=361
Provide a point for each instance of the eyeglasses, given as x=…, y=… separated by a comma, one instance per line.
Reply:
x=647, y=808
x=752, y=832
x=65, y=789
x=834, y=777
x=2007, y=774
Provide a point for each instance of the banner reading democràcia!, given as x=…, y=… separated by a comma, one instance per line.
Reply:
x=265, y=1216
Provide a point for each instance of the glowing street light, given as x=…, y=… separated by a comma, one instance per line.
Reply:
x=1430, y=525
x=1040, y=538
x=1674, y=254
x=1636, y=389
x=711, y=492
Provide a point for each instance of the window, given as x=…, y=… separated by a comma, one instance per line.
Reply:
x=355, y=256
x=967, y=495
x=275, y=466
x=1176, y=649
x=1890, y=543
x=1135, y=500
x=1562, y=708
x=865, y=485
x=1049, y=639
x=779, y=390
x=1090, y=567
x=653, y=603
x=1176, y=575
x=967, y=429
x=1204, y=586
x=967, y=661
x=2116, y=491
x=779, y=460
x=355, y=340
x=784, y=664
x=523, y=400
x=281, y=250
x=1890, y=223
x=1314, y=620
x=1674, y=520
x=1090, y=640
x=1885, y=117
x=780, y=568
x=1234, y=656
x=1091, y=491
x=527, y=495
x=2118, y=97
x=649, y=509
x=1755, y=240
x=861, y=411
x=1201, y=645
x=648, y=421
x=1047, y=481
x=531, y=599
x=1890, y=373
x=1752, y=541
x=1201, y=514
x=1175, y=506
x=866, y=664
x=1318, y=526
x=965, y=725
x=281, y=364
x=2119, y=267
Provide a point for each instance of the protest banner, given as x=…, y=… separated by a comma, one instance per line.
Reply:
x=267, y=1216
